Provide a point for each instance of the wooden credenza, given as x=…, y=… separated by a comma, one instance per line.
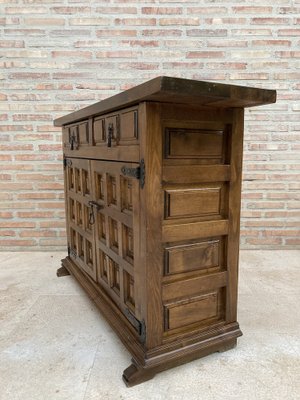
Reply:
x=152, y=190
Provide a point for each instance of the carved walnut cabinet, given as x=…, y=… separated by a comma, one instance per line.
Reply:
x=152, y=189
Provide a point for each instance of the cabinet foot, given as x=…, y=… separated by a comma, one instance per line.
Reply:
x=228, y=346
x=62, y=271
x=134, y=374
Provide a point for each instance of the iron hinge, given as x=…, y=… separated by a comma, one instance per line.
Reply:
x=137, y=173
x=67, y=162
x=139, y=325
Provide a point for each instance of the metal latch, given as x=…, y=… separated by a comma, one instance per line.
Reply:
x=93, y=204
x=139, y=325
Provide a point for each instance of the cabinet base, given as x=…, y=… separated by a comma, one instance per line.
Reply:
x=62, y=271
x=136, y=374
x=146, y=364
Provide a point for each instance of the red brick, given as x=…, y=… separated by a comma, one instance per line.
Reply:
x=116, y=32
x=205, y=54
x=270, y=21
x=17, y=224
x=12, y=43
x=252, y=9
x=264, y=241
x=117, y=10
x=37, y=233
x=5, y=233
x=16, y=243
x=293, y=242
x=162, y=32
x=207, y=32
x=135, y=21
x=162, y=10
x=179, y=21
x=35, y=214
x=69, y=53
x=71, y=10
x=6, y=214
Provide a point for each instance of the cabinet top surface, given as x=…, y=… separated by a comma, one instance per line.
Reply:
x=177, y=90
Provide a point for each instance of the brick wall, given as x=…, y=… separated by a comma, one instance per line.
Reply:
x=58, y=56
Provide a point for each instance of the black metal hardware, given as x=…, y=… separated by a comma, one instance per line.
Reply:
x=139, y=325
x=67, y=162
x=73, y=138
x=98, y=207
x=137, y=173
x=110, y=134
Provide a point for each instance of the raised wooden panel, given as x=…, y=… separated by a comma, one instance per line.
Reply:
x=129, y=126
x=191, y=202
x=202, y=143
x=194, y=311
x=194, y=256
x=189, y=286
x=129, y=297
x=128, y=246
x=83, y=134
x=194, y=230
x=99, y=135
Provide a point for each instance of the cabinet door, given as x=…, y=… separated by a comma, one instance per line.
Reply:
x=80, y=224
x=117, y=231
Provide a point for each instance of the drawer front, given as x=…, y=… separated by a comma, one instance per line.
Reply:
x=109, y=136
x=76, y=136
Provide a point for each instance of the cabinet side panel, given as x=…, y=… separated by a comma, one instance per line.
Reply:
x=151, y=220
x=234, y=205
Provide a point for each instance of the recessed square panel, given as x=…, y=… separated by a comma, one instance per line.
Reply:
x=129, y=290
x=126, y=194
x=101, y=226
x=87, y=219
x=78, y=186
x=71, y=178
x=115, y=276
x=72, y=209
x=128, y=252
x=80, y=247
x=79, y=213
x=99, y=179
x=85, y=183
x=111, y=189
x=73, y=239
x=89, y=253
x=113, y=234
x=104, y=266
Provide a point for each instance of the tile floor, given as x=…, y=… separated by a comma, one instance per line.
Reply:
x=54, y=344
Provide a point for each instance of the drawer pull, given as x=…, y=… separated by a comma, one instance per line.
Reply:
x=98, y=207
x=110, y=134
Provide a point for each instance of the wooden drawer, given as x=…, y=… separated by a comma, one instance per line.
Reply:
x=76, y=136
x=116, y=129
x=109, y=136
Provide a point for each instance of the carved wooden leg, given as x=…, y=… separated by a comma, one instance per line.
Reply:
x=62, y=271
x=134, y=374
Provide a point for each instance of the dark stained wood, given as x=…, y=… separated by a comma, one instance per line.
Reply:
x=177, y=90
x=62, y=271
x=153, y=190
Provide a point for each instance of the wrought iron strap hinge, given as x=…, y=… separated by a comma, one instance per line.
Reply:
x=137, y=173
x=139, y=325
